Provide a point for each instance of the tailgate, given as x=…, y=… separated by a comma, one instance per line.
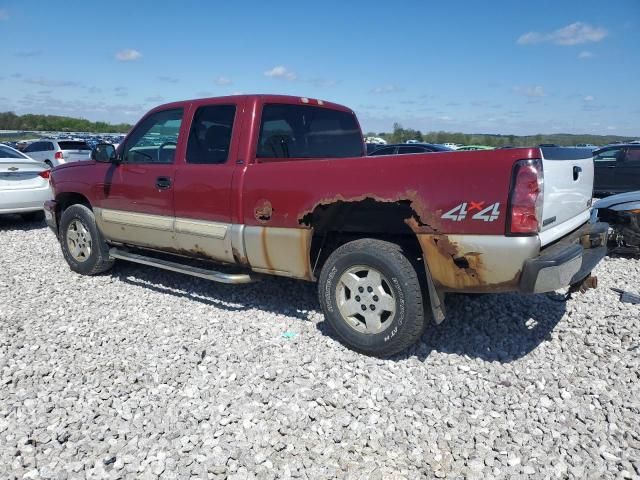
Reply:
x=568, y=190
x=76, y=155
x=75, y=150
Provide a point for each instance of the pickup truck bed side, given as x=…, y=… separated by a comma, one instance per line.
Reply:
x=299, y=194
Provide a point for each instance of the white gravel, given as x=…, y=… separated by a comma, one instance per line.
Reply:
x=144, y=374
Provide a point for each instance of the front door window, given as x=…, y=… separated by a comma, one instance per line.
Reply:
x=155, y=139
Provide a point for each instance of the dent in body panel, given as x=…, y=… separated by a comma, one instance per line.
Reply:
x=279, y=251
x=477, y=263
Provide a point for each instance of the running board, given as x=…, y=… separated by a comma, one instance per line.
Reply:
x=177, y=267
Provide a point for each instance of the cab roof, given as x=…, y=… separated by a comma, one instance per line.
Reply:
x=259, y=98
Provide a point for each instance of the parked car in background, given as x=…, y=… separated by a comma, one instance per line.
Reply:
x=587, y=145
x=617, y=169
x=402, y=148
x=452, y=146
x=57, y=152
x=24, y=184
x=622, y=213
x=467, y=148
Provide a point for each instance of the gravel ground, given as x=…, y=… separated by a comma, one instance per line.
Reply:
x=144, y=374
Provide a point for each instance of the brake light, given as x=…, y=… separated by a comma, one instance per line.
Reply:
x=45, y=174
x=525, y=201
x=59, y=156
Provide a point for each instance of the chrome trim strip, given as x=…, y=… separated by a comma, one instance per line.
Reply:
x=134, y=219
x=201, y=227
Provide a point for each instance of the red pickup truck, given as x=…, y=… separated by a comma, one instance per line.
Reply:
x=266, y=184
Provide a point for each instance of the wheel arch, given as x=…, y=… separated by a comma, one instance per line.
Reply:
x=340, y=222
x=65, y=199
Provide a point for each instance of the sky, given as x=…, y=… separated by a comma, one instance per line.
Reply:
x=509, y=67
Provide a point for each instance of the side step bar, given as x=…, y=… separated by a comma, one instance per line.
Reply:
x=177, y=267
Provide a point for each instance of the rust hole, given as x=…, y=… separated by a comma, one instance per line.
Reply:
x=461, y=262
x=263, y=211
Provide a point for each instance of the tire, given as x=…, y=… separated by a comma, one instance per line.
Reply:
x=395, y=317
x=87, y=261
x=33, y=216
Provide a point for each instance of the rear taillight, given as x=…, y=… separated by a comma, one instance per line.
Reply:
x=45, y=174
x=525, y=201
x=59, y=156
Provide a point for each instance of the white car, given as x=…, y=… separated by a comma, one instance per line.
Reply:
x=56, y=152
x=24, y=184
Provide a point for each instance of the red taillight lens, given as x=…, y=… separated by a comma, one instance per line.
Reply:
x=527, y=193
x=45, y=174
x=59, y=156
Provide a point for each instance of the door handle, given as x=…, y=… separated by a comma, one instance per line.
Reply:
x=611, y=166
x=576, y=172
x=163, y=183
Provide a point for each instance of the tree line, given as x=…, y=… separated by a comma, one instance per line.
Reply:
x=401, y=135
x=56, y=123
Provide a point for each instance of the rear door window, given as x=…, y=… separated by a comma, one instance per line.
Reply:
x=210, y=135
x=608, y=155
x=633, y=156
x=35, y=147
x=305, y=131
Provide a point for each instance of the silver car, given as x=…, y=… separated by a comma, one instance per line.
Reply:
x=24, y=184
x=56, y=152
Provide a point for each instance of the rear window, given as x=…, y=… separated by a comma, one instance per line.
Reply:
x=6, y=152
x=304, y=131
x=74, y=145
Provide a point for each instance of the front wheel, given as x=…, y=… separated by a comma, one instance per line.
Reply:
x=372, y=297
x=83, y=247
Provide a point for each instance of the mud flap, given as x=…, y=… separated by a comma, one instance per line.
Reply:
x=436, y=298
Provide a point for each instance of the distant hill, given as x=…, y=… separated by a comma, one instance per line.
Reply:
x=55, y=123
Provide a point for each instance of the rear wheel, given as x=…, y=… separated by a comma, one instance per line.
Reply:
x=371, y=295
x=33, y=216
x=83, y=247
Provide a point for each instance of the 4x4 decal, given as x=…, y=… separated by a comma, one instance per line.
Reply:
x=461, y=211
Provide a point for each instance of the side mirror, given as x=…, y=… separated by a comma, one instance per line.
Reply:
x=105, y=153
